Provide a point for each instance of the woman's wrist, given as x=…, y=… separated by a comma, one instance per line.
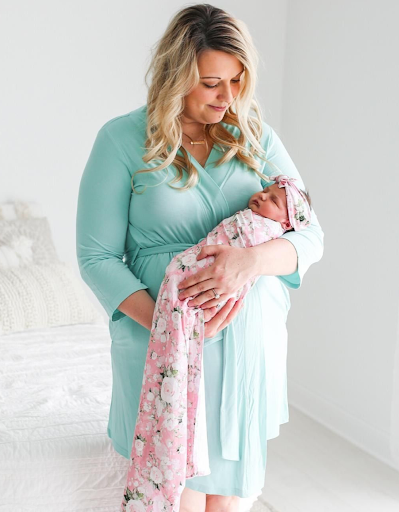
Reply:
x=139, y=306
x=276, y=257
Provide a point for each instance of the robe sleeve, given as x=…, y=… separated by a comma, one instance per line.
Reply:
x=102, y=223
x=309, y=242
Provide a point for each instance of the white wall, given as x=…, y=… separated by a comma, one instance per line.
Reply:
x=68, y=67
x=340, y=124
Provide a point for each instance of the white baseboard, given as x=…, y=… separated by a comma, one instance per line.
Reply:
x=369, y=439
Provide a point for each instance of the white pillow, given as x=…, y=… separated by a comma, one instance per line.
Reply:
x=25, y=236
x=40, y=296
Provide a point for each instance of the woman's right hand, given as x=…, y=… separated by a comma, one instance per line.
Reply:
x=216, y=321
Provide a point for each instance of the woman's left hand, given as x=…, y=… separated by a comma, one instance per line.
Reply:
x=232, y=268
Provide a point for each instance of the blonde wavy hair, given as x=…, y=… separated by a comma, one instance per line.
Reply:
x=174, y=69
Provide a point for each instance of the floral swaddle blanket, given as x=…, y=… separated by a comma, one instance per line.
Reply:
x=169, y=442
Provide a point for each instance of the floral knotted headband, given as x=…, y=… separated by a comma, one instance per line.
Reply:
x=297, y=204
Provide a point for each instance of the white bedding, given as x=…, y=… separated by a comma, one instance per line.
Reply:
x=55, y=393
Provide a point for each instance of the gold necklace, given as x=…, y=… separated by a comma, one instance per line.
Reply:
x=192, y=142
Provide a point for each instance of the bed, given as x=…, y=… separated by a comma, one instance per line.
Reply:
x=55, y=378
x=55, y=392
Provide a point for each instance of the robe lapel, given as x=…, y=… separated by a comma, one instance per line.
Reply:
x=209, y=191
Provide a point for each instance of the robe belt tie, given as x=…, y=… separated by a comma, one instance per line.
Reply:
x=230, y=437
x=157, y=249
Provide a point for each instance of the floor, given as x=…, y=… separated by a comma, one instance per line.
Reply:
x=311, y=469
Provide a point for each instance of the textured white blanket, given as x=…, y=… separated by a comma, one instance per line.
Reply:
x=55, y=392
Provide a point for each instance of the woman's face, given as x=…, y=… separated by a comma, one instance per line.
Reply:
x=219, y=84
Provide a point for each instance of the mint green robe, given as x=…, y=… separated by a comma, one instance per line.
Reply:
x=124, y=242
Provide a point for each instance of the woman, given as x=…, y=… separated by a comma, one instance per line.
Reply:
x=133, y=218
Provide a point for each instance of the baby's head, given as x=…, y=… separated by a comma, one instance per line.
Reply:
x=283, y=202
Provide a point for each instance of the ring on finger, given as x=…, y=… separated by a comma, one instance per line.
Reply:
x=217, y=296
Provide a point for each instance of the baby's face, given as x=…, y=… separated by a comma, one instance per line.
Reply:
x=271, y=202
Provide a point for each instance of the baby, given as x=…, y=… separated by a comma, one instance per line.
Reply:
x=170, y=441
x=271, y=203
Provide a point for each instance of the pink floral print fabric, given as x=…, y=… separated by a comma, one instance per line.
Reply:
x=169, y=442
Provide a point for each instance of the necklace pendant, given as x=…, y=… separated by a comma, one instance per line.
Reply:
x=197, y=142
